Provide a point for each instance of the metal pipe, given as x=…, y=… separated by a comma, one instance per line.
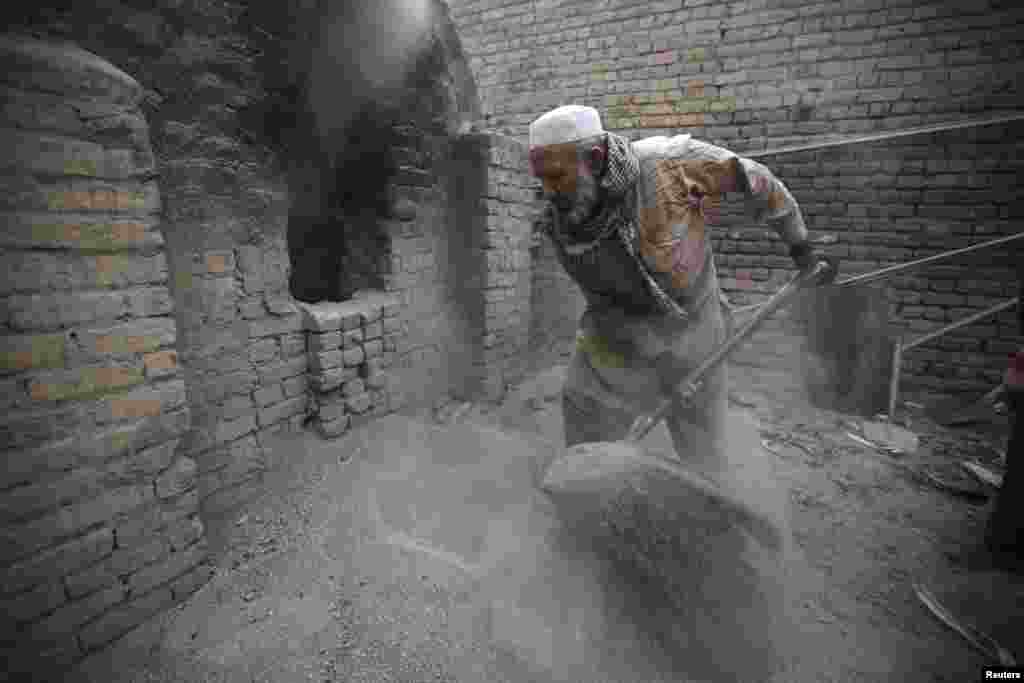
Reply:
x=886, y=272
x=894, y=380
x=900, y=267
x=961, y=323
x=887, y=135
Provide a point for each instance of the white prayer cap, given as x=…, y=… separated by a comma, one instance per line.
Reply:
x=568, y=123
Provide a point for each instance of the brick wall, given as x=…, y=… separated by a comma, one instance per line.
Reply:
x=98, y=502
x=508, y=285
x=224, y=218
x=889, y=201
x=204, y=270
x=756, y=75
x=433, y=274
x=744, y=71
x=189, y=347
x=241, y=335
x=461, y=270
x=349, y=360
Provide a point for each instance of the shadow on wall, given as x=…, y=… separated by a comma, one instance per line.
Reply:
x=344, y=91
x=334, y=241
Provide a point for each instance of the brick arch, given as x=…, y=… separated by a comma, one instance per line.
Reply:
x=361, y=119
x=98, y=499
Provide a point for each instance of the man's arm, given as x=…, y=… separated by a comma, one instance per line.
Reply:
x=767, y=200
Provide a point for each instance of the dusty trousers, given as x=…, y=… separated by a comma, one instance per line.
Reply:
x=624, y=364
x=726, y=614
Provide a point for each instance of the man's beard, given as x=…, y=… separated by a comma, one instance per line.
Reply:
x=582, y=208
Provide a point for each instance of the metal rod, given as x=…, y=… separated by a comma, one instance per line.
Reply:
x=894, y=380
x=961, y=323
x=888, y=135
x=898, y=268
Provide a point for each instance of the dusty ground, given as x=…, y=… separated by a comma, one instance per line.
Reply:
x=286, y=605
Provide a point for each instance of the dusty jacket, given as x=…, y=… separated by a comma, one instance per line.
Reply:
x=649, y=250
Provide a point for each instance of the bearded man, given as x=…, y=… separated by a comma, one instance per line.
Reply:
x=628, y=222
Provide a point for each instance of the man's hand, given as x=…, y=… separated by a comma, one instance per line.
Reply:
x=806, y=256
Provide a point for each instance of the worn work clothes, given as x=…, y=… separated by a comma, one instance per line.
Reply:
x=650, y=283
x=624, y=364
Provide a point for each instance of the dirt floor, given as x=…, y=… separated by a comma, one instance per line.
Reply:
x=287, y=605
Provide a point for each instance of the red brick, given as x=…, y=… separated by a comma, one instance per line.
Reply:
x=160, y=363
x=217, y=262
x=83, y=383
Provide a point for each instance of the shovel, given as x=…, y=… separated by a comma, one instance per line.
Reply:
x=593, y=470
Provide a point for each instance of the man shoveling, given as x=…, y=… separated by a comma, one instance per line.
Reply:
x=628, y=223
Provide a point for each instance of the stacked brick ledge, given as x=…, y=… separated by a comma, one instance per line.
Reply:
x=350, y=347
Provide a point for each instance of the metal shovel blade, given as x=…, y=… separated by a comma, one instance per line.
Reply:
x=594, y=476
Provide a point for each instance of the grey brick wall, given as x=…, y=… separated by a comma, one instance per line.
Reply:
x=895, y=200
x=744, y=71
x=241, y=337
x=189, y=348
x=766, y=75
x=431, y=271
x=350, y=360
x=508, y=287
x=98, y=501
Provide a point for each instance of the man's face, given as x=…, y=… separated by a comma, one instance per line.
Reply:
x=568, y=181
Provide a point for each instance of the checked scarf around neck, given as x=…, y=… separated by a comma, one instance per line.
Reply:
x=617, y=202
x=618, y=215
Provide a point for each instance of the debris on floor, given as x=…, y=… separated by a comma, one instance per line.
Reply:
x=862, y=509
x=452, y=412
x=957, y=488
x=891, y=438
x=984, y=474
x=980, y=640
x=955, y=411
